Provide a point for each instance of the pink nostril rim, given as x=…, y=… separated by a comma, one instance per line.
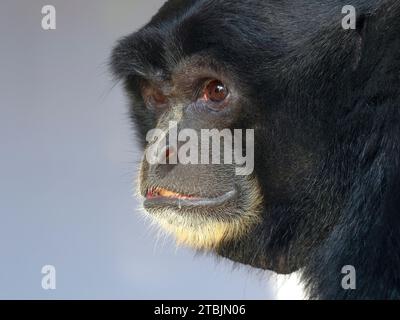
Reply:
x=170, y=153
x=166, y=154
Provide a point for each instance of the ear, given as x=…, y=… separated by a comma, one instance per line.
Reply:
x=377, y=29
x=361, y=27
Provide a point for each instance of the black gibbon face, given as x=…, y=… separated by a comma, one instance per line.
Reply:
x=202, y=205
x=190, y=69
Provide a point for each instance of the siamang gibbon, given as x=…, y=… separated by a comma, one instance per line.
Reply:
x=323, y=102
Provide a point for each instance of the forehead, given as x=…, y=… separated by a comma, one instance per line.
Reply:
x=198, y=34
x=163, y=51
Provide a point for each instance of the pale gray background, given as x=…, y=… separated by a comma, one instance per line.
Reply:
x=67, y=159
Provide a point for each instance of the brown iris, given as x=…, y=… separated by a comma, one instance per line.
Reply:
x=216, y=91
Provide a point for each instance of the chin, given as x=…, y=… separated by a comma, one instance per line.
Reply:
x=205, y=222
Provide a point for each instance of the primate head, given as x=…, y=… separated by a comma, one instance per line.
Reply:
x=296, y=97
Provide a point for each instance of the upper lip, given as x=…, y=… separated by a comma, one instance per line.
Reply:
x=157, y=195
x=157, y=192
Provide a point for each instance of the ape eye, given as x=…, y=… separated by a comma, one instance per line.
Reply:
x=153, y=97
x=159, y=98
x=216, y=91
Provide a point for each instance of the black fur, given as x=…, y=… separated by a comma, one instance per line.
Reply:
x=326, y=109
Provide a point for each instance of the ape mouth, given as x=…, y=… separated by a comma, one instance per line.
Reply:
x=154, y=193
x=156, y=197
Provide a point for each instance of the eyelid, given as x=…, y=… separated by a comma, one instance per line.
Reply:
x=198, y=92
x=198, y=88
x=202, y=85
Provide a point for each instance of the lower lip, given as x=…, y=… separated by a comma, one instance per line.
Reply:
x=190, y=202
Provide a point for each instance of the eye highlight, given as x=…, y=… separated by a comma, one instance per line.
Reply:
x=215, y=91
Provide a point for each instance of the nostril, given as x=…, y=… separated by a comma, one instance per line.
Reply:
x=167, y=155
x=171, y=155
